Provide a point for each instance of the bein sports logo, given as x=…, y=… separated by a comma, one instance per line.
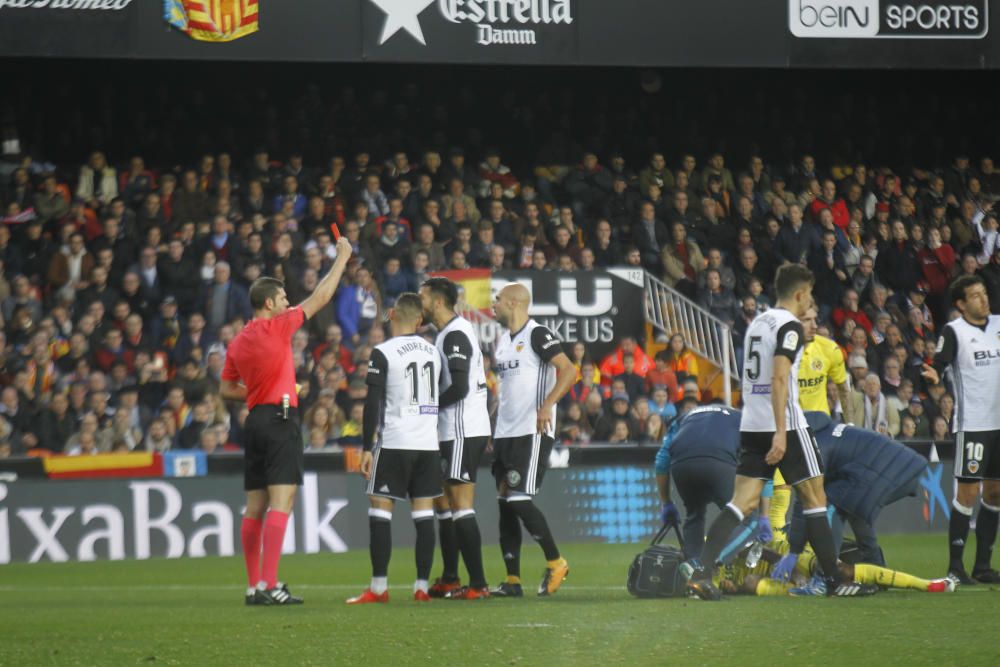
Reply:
x=833, y=18
x=866, y=19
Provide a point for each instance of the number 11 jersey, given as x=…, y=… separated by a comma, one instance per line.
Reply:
x=775, y=332
x=409, y=368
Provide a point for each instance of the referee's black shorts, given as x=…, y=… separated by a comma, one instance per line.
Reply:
x=273, y=451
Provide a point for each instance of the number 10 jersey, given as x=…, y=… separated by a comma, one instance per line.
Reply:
x=775, y=332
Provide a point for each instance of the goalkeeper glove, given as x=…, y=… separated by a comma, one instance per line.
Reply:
x=764, y=532
x=783, y=569
x=669, y=513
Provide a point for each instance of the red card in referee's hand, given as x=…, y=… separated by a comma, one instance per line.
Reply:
x=335, y=230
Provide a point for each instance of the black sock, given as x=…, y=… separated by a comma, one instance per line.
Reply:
x=380, y=544
x=449, y=546
x=510, y=539
x=821, y=538
x=986, y=535
x=536, y=525
x=719, y=535
x=958, y=533
x=471, y=544
x=424, y=550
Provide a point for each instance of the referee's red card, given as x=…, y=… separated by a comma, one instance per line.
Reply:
x=335, y=230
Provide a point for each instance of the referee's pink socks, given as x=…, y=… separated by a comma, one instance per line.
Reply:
x=274, y=538
x=250, y=533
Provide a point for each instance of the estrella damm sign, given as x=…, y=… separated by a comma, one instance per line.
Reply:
x=212, y=20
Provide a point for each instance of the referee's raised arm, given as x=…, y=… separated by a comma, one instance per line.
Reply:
x=328, y=285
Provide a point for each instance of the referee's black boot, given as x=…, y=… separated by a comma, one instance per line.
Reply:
x=279, y=595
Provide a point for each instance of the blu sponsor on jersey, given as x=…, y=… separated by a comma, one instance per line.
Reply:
x=985, y=357
x=909, y=19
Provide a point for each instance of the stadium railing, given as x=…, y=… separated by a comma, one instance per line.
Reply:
x=670, y=312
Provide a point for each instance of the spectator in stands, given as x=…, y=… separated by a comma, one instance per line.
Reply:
x=830, y=270
x=661, y=375
x=892, y=377
x=492, y=170
x=650, y=236
x=661, y=405
x=606, y=251
x=632, y=381
x=51, y=204
x=897, y=263
x=98, y=182
x=588, y=383
x=795, y=240
x=940, y=431
x=714, y=260
x=56, y=424
x=656, y=172
x=872, y=403
x=189, y=435
x=194, y=340
x=224, y=300
x=716, y=166
x=719, y=301
x=681, y=262
x=357, y=306
x=682, y=360
x=588, y=184
x=915, y=412
x=605, y=428
x=828, y=200
x=157, y=439
x=614, y=364
x=746, y=314
x=747, y=270
x=849, y=310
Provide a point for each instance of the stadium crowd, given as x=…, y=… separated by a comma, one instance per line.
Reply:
x=122, y=281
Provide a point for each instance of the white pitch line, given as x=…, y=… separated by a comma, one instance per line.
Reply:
x=315, y=587
x=194, y=587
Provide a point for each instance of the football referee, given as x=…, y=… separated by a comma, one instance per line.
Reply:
x=259, y=369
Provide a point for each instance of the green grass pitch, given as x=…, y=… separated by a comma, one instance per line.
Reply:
x=191, y=612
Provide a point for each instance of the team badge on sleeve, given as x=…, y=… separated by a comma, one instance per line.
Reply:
x=791, y=340
x=940, y=344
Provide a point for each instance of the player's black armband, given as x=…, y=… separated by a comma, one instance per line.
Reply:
x=458, y=390
x=545, y=344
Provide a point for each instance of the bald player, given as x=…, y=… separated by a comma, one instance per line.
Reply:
x=534, y=374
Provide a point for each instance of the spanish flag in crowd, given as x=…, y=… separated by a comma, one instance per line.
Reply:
x=212, y=20
x=474, y=287
x=131, y=464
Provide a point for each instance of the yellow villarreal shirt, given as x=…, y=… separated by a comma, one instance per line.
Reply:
x=821, y=359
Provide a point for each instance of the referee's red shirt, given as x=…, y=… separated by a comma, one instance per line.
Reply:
x=261, y=356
